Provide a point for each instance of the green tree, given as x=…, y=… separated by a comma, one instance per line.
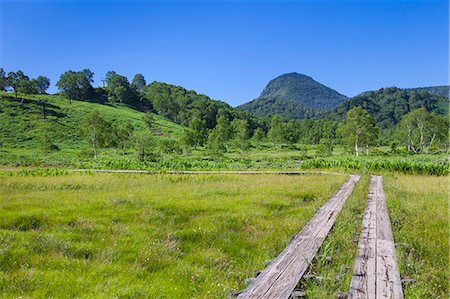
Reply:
x=241, y=134
x=3, y=81
x=41, y=84
x=359, y=129
x=15, y=79
x=138, y=82
x=123, y=133
x=187, y=141
x=419, y=130
x=198, y=130
x=76, y=85
x=119, y=89
x=325, y=148
x=223, y=129
x=97, y=129
x=290, y=134
x=26, y=87
x=258, y=137
x=275, y=134
x=144, y=143
x=215, y=145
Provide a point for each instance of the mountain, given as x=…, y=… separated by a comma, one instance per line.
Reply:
x=389, y=105
x=443, y=91
x=295, y=96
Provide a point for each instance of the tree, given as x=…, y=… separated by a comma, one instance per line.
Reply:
x=26, y=87
x=215, y=144
x=76, y=85
x=119, y=89
x=122, y=134
x=138, y=82
x=290, y=132
x=242, y=134
x=144, y=143
x=325, y=147
x=41, y=83
x=96, y=129
x=14, y=80
x=223, y=129
x=198, y=130
x=359, y=129
x=258, y=137
x=420, y=130
x=275, y=133
x=187, y=141
x=3, y=81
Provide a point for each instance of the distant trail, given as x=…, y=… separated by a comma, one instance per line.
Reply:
x=280, y=278
x=375, y=273
x=287, y=172
x=282, y=172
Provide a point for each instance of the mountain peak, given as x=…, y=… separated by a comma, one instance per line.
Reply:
x=294, y=90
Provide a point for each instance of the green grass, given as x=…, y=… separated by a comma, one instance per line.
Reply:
x=157, y=236
x=419, y=211
x=22, y=125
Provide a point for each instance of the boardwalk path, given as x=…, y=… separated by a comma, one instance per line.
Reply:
x=279, y=279
x=375, y=272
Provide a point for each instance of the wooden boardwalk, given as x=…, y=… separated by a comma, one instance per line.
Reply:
x=375, y=273
x=279, y=279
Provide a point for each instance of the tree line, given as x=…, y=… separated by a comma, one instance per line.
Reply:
x=217, y=126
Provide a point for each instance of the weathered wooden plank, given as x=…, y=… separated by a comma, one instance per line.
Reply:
x=375, y=272
x=279, y=279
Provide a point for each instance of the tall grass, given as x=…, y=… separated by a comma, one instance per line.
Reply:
x=404, y=165
x=418, y=209
x=156, y=236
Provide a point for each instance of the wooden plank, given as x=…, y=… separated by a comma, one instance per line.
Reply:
x=375, y=272
x=279, y=279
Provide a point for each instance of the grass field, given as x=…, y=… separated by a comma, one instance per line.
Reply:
x=158, y=236
x=419, y=211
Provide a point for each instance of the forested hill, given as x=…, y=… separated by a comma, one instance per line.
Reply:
x=294, y=95
x=181, y=105
x=388, y=105
x=443, y=91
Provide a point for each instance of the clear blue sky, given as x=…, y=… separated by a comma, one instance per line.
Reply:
x=230, y=50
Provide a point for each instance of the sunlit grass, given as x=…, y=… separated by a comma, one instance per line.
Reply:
x=158, y=236
x=419, y=211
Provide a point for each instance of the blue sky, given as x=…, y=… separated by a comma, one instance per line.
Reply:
x=230, y=50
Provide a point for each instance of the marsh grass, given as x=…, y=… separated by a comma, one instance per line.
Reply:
x=156, y=236
x=419, y=211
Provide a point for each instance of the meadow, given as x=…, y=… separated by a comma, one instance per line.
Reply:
x=157, y=236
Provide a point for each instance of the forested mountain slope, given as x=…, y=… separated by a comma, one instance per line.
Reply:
x=388, y=105
x=294, y=95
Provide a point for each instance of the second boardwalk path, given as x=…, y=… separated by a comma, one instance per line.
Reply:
x=375, y=274
x=279, y=279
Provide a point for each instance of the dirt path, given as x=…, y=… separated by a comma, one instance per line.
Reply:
x=375, y=273
x=279, y=279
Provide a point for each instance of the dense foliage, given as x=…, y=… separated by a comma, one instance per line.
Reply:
x=389, y=105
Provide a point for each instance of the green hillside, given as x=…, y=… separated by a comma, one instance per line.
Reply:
x=388, y=105
x=443, y=91
x=23, y=125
